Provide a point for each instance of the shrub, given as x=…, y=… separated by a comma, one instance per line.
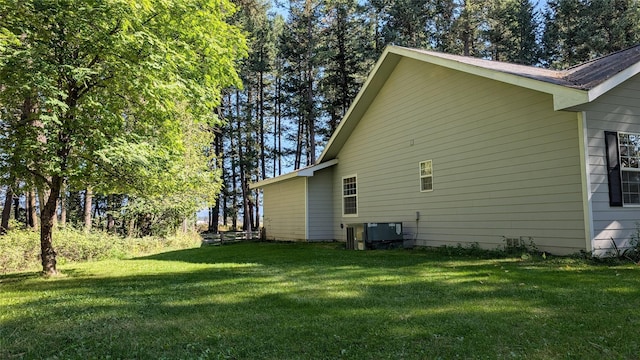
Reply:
x=20, y=249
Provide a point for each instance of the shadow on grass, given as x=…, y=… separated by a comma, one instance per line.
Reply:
x=283, y=301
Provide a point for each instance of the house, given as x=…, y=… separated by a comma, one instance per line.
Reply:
x=463, y=150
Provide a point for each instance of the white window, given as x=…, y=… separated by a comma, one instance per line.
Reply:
x=426, y=176
x=629, y=150
x=350, y=195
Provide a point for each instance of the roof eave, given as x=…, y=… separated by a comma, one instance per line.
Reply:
x=614, y=81
x=306, y=172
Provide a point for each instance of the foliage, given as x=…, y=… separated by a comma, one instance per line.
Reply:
x=577, y=31
x=316, y=301
x=20, y=248
x=102, y=92
x=513, y=29
x=631, y=252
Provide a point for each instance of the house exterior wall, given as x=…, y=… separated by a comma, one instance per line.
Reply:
x=319, y=206
x=505, y=165
x=284, y=210
x=617, y=110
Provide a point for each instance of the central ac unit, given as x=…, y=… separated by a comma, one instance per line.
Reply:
x=386, y=235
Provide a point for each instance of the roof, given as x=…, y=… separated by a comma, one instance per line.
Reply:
x=304, y=172
x=571, y=87
x=589, y=75
x=585, y=76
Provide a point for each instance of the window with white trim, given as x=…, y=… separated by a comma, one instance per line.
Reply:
x=426, y=176
x=350, y=195
x=629, y=150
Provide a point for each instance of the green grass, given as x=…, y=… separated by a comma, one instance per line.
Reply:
x=305, y=301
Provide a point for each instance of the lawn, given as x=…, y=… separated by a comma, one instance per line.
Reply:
x=319, y=301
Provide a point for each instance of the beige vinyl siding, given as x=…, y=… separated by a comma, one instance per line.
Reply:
x=504, y=163
x=617, y=110
x=320, y=208
x=284, y=209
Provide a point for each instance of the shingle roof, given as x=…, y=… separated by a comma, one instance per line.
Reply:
x=585, y=76
x=593, y=73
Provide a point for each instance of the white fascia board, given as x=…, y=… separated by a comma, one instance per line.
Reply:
x=273, y=180
x=306, y=172
x=614, y=81
x=567, y=97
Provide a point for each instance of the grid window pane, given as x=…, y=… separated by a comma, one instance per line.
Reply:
x=425, y=168
x=629, y=150
x=426, y=175
x=350, y=205
x=349, y=186
x=631, y=187
x=350, y=196
x=426, y=183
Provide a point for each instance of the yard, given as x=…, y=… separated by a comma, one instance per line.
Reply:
x=319, y=301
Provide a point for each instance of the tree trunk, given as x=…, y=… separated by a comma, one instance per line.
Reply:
x=257, y=218
x=48, y=255
x=74, y=207
x=246, y=223
x=234, y=164
x=309, y=75
x=32, y=215
x=131, y=227
x=111, y=222
x=43, y=195
x=16, y=208
x=214, y=212
x=299, y=145
x=88, y=201
x=6, y=210
x=63, y=206
x=277, y=139
x=215, y=216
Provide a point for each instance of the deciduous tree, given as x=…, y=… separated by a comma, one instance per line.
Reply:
x=111, y=79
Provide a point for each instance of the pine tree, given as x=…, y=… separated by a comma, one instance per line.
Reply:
x=404, y=21
x=576, y=30
x=347, y=45
x=513, y=31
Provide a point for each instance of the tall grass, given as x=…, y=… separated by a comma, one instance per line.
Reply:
x=20, y=249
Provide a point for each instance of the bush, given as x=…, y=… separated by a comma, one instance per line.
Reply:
x=20, y=249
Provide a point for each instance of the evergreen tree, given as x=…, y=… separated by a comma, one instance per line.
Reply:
x=512, y=32
x=404, y=22
x=577, y=30
x=346, y=49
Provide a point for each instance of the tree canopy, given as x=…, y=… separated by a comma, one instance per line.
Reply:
x=112, y=93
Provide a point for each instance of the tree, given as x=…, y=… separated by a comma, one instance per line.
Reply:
x=577, y=30
x=299, y=49
x=111, y=79
x=513, y=32
x=404, y=22
x=347, y=48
